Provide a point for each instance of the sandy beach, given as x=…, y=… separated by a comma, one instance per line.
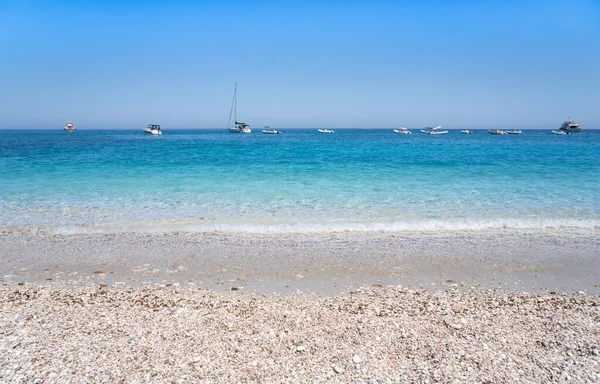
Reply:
x=498, y=306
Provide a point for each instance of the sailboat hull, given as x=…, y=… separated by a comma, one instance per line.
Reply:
x=239, y=130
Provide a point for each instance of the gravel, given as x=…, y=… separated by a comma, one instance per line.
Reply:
x=55, y=333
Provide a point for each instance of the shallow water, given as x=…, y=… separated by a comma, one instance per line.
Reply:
x=300, y=181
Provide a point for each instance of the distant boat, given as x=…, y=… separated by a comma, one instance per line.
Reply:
x=153, y=129
x=466, y=132
x=402, y=131
x=570, y=126
x=433, y=130
x=237, y=127
x=496, y=132
x=69, y=127
x=515, y=132
x=561, y=132
x=270, y=131
x=326, y=130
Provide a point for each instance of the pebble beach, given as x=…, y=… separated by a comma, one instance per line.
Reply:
x=489, y=307
x=374, y=335
x=424, y=209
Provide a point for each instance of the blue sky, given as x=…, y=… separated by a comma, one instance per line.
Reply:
x=124, y=64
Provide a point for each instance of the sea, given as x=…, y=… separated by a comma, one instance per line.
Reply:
x=300, y=181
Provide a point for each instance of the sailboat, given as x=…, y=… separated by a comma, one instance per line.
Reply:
x=237, y=127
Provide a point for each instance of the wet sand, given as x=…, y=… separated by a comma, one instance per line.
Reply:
x=563, y=260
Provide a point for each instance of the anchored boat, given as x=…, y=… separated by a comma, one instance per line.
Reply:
x=433, y=130
x=570, y=126
x=237, y=127
x=402, y=131
x=153, y=129
x=269, y=131
x=70, y=127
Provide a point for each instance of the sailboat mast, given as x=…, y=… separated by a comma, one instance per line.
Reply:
x=235, y=105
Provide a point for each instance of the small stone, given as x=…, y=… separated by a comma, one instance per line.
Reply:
x=234, y=288
x=452, y=325
x=356, y=359
x=338, y=369
x=300, y=348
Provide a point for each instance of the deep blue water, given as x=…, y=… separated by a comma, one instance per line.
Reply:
x=299, y=181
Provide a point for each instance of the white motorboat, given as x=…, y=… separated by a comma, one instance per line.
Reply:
x=402, y=131
x=561, y=132
x=466, y=131
x=153, y=129
x=496, y=132
x=433, y=130
x=69, y=127
x=515, y=132
x=429, y=129
x=237, y=127
x=269, y=131
x=570, y=126
x=326, y=130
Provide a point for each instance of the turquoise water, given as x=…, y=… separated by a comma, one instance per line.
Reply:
x=299, y=181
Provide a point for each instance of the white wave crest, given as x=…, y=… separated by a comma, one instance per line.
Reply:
x=328, y=227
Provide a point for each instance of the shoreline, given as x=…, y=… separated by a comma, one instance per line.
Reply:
x=537, y=260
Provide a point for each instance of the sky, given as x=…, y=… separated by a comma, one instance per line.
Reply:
x=299, y=64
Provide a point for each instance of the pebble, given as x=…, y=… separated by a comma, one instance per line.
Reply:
x=120, y=330
x=452, y=324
